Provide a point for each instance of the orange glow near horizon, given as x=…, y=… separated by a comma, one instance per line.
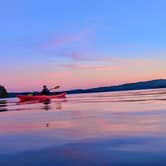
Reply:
x=86, y=76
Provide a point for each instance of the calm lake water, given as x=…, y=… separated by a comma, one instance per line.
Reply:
x=99, y=129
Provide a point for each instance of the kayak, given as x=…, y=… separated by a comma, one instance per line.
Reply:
x=41, y=97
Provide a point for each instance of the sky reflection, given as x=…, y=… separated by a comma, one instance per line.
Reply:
x=122, y=126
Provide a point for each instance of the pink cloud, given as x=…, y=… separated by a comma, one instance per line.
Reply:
x=60, y=41
x=82, y=55
x=88, y=67
x=86, y=55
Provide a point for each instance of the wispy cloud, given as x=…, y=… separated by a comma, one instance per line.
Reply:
x=114, y=64
x=82, y=55
x=57, y=41
x=87, y=67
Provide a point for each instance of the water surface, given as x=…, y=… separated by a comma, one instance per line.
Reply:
x=99, y=129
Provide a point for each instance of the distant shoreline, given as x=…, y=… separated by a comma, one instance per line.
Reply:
x=144, y=85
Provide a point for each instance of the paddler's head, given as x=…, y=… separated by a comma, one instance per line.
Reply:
x=44, y=86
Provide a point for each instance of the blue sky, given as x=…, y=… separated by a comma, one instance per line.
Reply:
x=44, y=36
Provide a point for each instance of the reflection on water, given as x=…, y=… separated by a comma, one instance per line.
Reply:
x=3, y=104
x=45, y=104
x=119, y=128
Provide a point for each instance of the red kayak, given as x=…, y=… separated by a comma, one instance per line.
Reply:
x=41, y=97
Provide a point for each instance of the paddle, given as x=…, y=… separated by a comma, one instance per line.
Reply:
x=56, y=87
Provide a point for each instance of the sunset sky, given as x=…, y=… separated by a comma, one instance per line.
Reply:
x=81, y=44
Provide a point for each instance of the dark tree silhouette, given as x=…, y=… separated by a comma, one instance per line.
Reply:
x=3, y=92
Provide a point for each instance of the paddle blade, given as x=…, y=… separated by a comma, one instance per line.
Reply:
x=56, y=87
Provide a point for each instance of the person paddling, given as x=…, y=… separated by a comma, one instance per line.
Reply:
x=45, y=91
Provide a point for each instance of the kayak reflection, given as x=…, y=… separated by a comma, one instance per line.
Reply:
x=46, y=103
x=57, y=104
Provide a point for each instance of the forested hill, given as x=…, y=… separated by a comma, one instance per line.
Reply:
x=153, y=84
